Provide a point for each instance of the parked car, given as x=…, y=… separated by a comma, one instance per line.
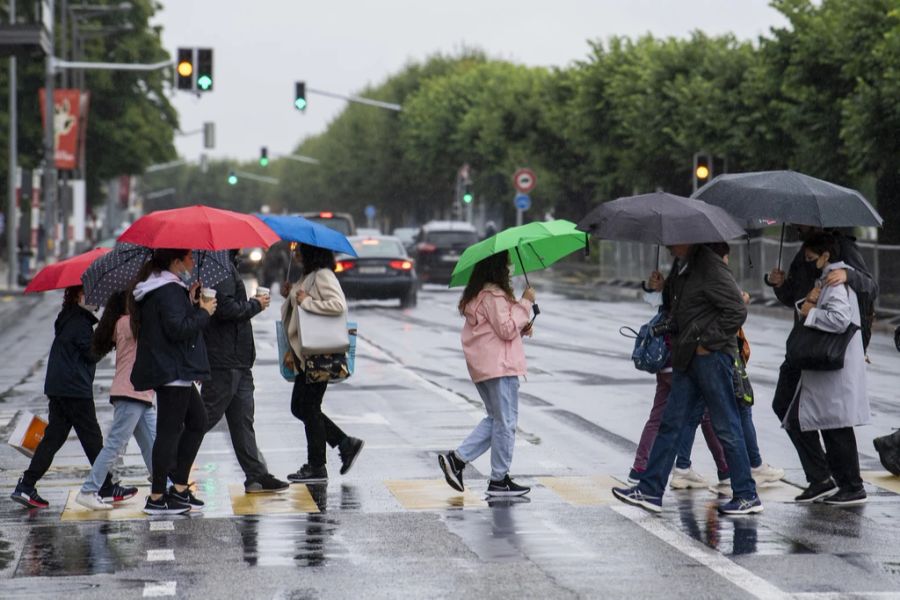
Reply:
x=338, y=221
x=382, y=270
x=438, y=246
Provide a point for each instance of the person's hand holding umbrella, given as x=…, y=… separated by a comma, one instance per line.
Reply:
x=775, y=278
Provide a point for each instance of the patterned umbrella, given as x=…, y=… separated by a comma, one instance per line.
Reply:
x=117, y=270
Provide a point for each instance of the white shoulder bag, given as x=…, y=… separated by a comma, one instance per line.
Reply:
x=322, y=334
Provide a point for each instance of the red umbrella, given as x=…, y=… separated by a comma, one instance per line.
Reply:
x=199, y=228
x=64, y=273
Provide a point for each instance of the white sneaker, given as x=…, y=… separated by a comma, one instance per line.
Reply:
x=766, y=473
x=683, y=479
x=92, y=501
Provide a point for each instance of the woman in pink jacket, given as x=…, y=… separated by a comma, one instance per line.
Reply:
x=495, y=356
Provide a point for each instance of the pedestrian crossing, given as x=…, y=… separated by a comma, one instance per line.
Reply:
x=426, y=495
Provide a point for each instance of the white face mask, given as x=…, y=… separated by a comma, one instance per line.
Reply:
x=88, y=307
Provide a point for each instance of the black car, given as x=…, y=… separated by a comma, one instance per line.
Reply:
x=382, y=270
x=438, y=246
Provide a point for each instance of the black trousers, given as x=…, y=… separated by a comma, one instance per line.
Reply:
x=66, y=413
x=306, y=405
x=180, y=425
x=230, y=394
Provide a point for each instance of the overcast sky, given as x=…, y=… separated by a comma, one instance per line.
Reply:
x=263, y=46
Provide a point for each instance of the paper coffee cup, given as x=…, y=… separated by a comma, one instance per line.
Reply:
x=262, y=291
x=208, y=293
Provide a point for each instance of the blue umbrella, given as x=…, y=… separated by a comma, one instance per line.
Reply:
x=297, y=229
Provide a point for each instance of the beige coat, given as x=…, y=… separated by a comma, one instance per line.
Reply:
x=325, y=298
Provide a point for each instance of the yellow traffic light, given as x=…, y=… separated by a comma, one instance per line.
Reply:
x=702, y=172
x=185, y=68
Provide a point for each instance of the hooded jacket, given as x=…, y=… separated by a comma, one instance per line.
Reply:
x=229, y=337
x=492, y=335
x=170, y=344
x=71, y=365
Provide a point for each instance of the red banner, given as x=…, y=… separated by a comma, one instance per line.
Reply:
x=68, y=120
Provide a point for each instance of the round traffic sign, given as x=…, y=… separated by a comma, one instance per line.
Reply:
x=522, y=201
x=524, y=180
x=370, y=211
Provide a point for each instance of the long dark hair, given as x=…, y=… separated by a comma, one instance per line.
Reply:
x=104, y=339
x=315, y=258
x=493, y=269
x=70, y=296
x=159, y=261
x=821, y=242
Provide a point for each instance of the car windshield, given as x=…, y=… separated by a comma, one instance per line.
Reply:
x=336, y=223
x=451, y=237
x=378, y=248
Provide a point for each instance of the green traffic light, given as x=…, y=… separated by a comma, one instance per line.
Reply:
x=264, y=162
x=232, y=179
x=468, y=197
x=204, y=82
x=300, y=103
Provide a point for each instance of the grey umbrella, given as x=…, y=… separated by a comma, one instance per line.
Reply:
x=661, y=218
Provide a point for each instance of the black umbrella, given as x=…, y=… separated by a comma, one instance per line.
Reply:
x=766, y=197
x=661, y=218
x=117, y=270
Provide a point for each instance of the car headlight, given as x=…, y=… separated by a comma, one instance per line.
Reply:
x=256, y=255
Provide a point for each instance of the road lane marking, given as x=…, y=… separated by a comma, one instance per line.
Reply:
x=162, y=526
x=432, y=494
x=582, y=491
x=295, y=500
x=131, y=509
x=846, y=595
x=882, y=479
x=162, y=555
x=749, y=582
x=156, y=589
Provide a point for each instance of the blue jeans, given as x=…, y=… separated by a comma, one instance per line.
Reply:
x=497, y=430
x=688, y=432
x=129, y=417
x=708, y=380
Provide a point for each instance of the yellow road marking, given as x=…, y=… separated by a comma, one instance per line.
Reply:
x=129, y=510
x=882, y=479
x=432, y=494
x=582, y=491
x=297, y=499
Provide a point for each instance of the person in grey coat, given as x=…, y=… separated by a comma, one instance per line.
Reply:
x=833, y=402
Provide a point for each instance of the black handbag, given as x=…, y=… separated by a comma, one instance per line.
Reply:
x=812, y=349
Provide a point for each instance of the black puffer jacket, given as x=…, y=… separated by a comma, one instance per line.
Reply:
x=71, y=366
x=229, y=337
x=170, y=342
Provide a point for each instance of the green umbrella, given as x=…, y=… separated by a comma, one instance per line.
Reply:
x=531, y=247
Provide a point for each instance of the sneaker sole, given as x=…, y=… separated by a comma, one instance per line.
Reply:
x=506, y=493
x=102, y=506
x=640, y=504
x=166, y=511
x=855, y=502
x=315, y=480
x=821, y=496
x=274, y=491
x=28, y=503
x=449, y=475
x=346, y=469
x=748, y=511
x=109, y=500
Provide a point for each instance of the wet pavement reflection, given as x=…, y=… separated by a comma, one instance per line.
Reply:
x=69, y=550
x=304, y=541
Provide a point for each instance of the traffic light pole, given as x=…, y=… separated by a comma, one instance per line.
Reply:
x=57, y=64
x=357, y=99
x=12, y=225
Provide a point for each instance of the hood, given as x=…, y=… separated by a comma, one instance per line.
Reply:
x=833, y=267
x=70, y=312
x=475, y=303
x=154, y=282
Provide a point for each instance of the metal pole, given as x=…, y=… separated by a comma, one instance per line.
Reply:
x=48, y=187
x=519, y=214
x=781, y=246
x=12, y=225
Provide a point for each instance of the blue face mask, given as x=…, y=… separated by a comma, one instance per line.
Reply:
x=185, y=277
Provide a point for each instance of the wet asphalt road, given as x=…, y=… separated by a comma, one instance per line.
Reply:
x=391, y=528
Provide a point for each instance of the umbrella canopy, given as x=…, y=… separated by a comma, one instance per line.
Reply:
x=661, y=218
x=64, y=273
x=767, y=197
x=294, y=228
x=531, y=247
x=116, y=271
x=199, y=228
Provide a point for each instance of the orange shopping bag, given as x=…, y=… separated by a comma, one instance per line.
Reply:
x=28, y=433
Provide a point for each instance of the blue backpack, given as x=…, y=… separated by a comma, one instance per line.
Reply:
x=650, y=353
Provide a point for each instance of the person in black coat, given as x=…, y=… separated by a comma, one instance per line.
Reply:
x=229, y=344
x=70, y=386
x=169, y=318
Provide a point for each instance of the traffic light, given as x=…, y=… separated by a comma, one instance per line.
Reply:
x=204, y=69
x=184, y=69
x=232, y=178
x=264, y=157
x=300, y=96
x=467, y=195
x=703, y=170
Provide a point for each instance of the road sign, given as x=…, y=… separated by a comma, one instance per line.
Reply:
x=370, y=212
x=524, y=180
x=523, y=201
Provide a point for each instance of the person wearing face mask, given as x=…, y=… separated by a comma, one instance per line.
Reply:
x=790, y=288
x=168, y=321
x=70, y=387
x=832, y=403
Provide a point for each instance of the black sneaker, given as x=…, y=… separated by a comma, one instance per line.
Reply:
x=28, y=496
x=817, y=491
x=186, y=497
x=847, y=498
x=506, y=487
x=453, y=470
x=166, y=505
x=117, y=493
x=308, y=474
x=266, y=483
x=349, y=450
